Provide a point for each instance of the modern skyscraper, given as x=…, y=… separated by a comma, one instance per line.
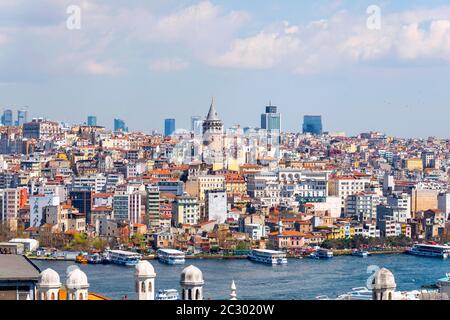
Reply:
x=312, y=124
x=22, y=117
x=92, y=121
x=196, y=124
x=271, y=120
x=119, y=125
x=7, y=118
x=169, y=127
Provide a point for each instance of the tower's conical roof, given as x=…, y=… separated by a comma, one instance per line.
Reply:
x=212, y=114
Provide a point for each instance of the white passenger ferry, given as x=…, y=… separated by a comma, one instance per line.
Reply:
x=430, y=250
x=361, y=293
x=171, y=256
x=268, y=256
x=125, y=258
x=169, y=294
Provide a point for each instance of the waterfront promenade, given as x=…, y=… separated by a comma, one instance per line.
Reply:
x=238, y=257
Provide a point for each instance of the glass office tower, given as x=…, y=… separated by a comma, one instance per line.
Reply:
x=119, y=125
x=92, y=121
x=169, y=127
x=313, y=125
x=271, y=120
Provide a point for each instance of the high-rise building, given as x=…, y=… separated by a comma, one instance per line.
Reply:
x=169, y=127
x=22, y=117
x=271, y=120
x=92, y=121
x=152, y=206
x=196, y=124
x=119, y=126
x=312, y=124
x=7, y=118
x=82, y=200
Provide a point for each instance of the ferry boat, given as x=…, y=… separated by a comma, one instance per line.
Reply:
x=360, y=253
x=171, y=256
x=430, y=250
x=321, y=254
x=268, y=257
x=169, y=294
x=125, y=258
x=361, y=293
x=81, y=258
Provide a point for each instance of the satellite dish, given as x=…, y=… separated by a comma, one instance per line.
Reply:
x=70, y=269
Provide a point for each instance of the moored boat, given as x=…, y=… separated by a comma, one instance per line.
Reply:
x=357, y=294
x=125, y=258
x=321, y=254
x=171, y=256
x=168, y=294
x=94, y=258
x=430, y=250
x=268, y=257
x=360, y=253
x=81, y=258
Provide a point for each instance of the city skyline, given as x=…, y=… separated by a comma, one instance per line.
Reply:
x=307, y=58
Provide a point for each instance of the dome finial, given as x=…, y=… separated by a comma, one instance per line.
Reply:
x=233, y=295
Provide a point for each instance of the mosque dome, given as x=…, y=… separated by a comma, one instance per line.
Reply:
x=145, y=269
x=192, y=275
x=77, y=279
x=49, y=278
x=384, y=279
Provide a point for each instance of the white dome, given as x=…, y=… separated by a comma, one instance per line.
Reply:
x=49, y=278
x=144, y=269
x=77, y=279
x=384, y=279
x=192, y=275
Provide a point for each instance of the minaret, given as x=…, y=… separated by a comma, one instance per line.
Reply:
x=191, y=283
x=49, y=285
x=233, y=295
x=77, y=285
x=383, y=285
x=145, y=281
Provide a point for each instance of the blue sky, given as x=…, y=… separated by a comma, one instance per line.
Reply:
x=151, y=60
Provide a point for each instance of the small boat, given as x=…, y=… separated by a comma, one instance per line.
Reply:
x=321, y=254
x=357, y=294
x=81, y=259
x=94, y=259
x=360, y=253
x=169, y=294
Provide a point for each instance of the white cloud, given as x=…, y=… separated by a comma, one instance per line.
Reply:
x=106, y=68
x=342, y=39
x=210, y=34
x=168, y=65
x=263, y=51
